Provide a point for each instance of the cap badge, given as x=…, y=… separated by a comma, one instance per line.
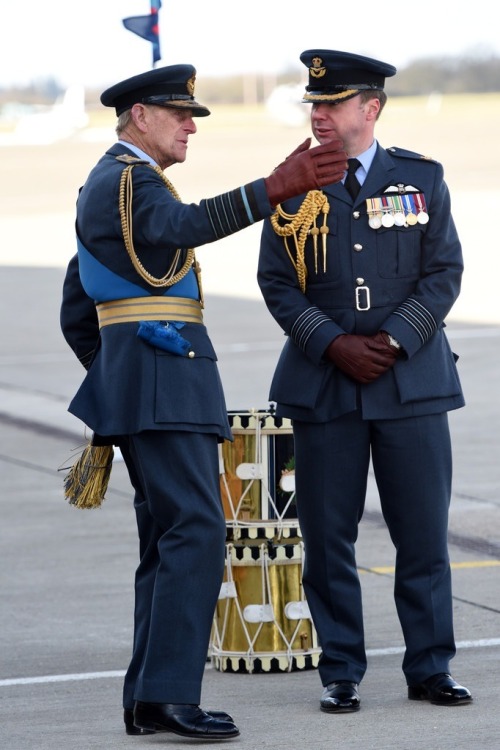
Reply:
x=317, y=70
x=190, y=85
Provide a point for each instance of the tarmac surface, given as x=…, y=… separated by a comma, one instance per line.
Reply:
x=66, y=576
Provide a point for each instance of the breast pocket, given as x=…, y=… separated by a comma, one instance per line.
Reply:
x=398, y=252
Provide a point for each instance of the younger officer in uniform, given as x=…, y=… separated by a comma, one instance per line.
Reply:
x=132, y=313
x=361, y=277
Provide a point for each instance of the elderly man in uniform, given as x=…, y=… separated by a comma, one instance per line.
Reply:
x=361, y=276
x=132, y=313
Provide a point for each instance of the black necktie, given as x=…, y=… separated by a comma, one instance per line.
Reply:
x=351, y=182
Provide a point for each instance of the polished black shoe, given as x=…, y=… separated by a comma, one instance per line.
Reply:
x=340, y=697
x=130, y=728
x=184, y=720
x=441, y=690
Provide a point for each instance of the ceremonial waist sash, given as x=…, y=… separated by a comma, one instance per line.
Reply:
x=135, y=309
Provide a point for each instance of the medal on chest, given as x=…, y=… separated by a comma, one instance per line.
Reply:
x=399, y=206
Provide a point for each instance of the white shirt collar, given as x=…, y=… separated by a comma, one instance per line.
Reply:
x=141, y=154
x=365, y=160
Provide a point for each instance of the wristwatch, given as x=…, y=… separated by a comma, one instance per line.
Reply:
x=393, y=342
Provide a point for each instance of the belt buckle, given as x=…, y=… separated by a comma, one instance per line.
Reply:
x=359, y=305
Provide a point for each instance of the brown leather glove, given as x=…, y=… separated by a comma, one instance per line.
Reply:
x=381, y=342
x=363, y=358
x=306, y=169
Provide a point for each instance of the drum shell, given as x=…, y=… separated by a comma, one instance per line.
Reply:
x=252, y=630
x=251, y=469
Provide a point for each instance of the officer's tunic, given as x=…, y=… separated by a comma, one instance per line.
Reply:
x=166, y=412
x=404, y=280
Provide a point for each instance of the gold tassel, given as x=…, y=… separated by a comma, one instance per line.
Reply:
x=87, y=480
x=300, y=226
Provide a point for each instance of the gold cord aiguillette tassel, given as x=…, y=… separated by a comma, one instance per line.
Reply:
x=324, y=231
x=300, y=226
x=87, y=480
x=314, y=231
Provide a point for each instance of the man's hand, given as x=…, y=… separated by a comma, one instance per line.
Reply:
x=303, y=147
x=382, y=343
x=306, y=169
x=363, y=358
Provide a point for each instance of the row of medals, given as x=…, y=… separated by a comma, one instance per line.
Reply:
x=397, y=210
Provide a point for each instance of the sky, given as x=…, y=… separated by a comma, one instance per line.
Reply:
x=86, y=43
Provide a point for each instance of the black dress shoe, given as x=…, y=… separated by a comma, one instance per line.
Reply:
x=183, y=719
x=441, y=690
x=340, y=697
x=130, y=728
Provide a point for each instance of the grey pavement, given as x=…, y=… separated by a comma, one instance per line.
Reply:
x=67, y=575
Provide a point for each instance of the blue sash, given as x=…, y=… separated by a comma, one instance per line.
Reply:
x=103, y=285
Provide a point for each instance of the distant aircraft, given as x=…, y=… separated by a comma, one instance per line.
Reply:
x=42, y=126
x=285, y=105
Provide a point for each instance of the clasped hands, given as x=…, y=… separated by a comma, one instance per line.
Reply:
x=363, y=358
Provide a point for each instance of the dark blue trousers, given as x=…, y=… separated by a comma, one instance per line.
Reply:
x=182, y=535
x=412, y=464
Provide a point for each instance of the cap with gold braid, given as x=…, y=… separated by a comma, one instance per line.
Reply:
x=336, y=76
x=170, y=86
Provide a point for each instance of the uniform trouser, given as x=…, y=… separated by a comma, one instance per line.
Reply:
x=412, y=465
x=182, y=530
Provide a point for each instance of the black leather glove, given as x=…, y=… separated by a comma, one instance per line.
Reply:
x=306, y=169
x=363, y=358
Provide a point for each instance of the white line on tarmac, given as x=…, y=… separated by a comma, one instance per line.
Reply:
x=482, y=643
x=61, y=678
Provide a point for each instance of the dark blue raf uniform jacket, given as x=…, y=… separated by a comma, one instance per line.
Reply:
x=401, y=279
x=130, y=385
x=134, y=392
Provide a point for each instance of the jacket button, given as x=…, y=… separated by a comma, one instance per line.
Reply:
x=357, y=247
x=360, y=281
x=356, y=215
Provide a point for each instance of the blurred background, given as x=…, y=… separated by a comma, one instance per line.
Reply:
x=444, y=103
x=67, y=580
